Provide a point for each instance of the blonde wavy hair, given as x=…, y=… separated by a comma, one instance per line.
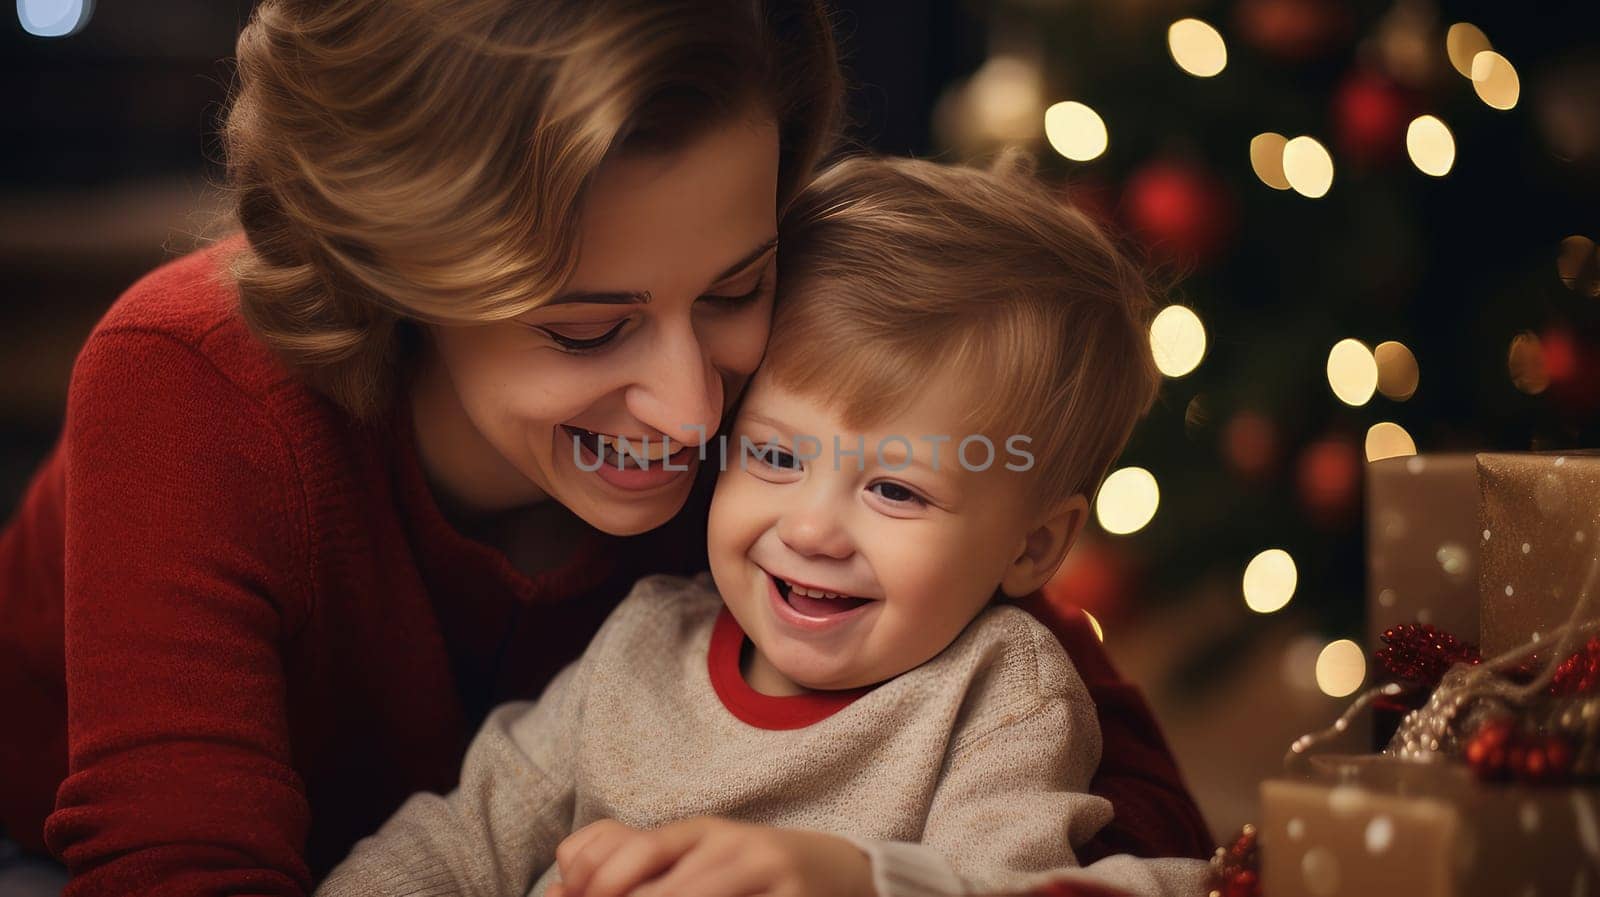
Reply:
x=405, y=161
x=896, y=272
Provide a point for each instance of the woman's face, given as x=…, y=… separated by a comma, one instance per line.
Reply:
x=652, y=338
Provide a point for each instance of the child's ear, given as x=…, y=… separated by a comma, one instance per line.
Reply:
x=1045, y=546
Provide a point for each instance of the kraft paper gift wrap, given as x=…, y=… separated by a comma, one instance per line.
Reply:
x=1422, y=541
x=1369, y=826
x=1539, y=535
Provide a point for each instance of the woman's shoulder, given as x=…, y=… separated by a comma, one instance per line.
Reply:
x=190, y=303
x=171, y=381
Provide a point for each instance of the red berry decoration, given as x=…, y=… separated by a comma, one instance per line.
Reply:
x=1418, y=653
x=1580, y=673
x=1244, y=884
x=1558, y=752
x=1486, y=749
x=1498, y=751
x=1236, y=870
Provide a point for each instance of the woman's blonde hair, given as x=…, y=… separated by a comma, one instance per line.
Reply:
x=898, y=274
x=399, y=161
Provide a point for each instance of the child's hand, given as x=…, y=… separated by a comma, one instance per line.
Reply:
x=709, y=857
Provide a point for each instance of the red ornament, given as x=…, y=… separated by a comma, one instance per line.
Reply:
x=1370, y=114
x=1421, y=654
x=1330, y=470
x=1179, y=210
x=1293, y=29
x=1250, y=443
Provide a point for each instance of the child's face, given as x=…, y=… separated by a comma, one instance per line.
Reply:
x=923, y=550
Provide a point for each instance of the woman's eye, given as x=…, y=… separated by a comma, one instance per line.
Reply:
x=898, y=494
x=575, y=344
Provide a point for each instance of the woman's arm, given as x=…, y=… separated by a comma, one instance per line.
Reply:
x=186, y=571
x=497, y=831
x=1155, y=814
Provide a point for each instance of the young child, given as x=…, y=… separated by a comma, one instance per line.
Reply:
x=956, y=358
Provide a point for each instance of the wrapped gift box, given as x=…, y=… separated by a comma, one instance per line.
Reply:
x=1370, y=826
x=1422, y=544
x=1539, y=537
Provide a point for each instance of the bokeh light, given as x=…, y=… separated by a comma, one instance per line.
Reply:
x=1127, y=501
x=1269, y=581
x=1389, y=440
x=54, y=18
x=1398, y=373
x=1431, y=147
x=1075, y=131
x=1462, y=42
x=1197, y=47
x=1099, y=631
x=1352, y=372
x=1178, y=340
x=1308, y=167
x=1495, y=80
x=1299, y=662
x=1266, y=158
x=1341, y=667
x=1004, y=96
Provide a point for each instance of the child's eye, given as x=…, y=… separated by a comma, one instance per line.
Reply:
x=898, y=494
x=774, y=457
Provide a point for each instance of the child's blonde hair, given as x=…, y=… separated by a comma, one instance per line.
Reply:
x=894, y=272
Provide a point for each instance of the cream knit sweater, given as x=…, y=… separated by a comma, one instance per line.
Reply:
x=966, y=775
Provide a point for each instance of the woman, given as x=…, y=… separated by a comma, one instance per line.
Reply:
x=326, y=493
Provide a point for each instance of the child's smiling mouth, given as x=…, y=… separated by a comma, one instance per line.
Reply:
x=813, y=602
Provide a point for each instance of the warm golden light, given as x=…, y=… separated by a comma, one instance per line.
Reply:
x=1266, y=157
x=1197, y=47
x=1340, y=668
x=1525, y=364
x=1495, y=79
x=1461, y=43
x=1352, y=372
x=1075, y=131
x=1389, y=440
x=1127, y=501
x=1099, y=632
x=1178, y=340
x=1004, y=97
x=1269, y=581
x=1307, y=167
x=1397, y=370
x=1430, y=146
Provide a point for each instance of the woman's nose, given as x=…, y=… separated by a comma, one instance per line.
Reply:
x=678, y=391
x=814, y=530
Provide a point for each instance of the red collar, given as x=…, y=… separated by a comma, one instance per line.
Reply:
x=751, y=706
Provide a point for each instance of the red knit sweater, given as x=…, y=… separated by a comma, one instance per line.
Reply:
x=236, y=631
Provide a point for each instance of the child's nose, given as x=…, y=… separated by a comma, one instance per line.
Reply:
x=815, y=531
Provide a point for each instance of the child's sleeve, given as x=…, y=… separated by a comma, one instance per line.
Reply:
x=1013, y=803
x=498, y=830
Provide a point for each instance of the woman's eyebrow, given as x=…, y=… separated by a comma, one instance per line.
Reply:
x=640, y=297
